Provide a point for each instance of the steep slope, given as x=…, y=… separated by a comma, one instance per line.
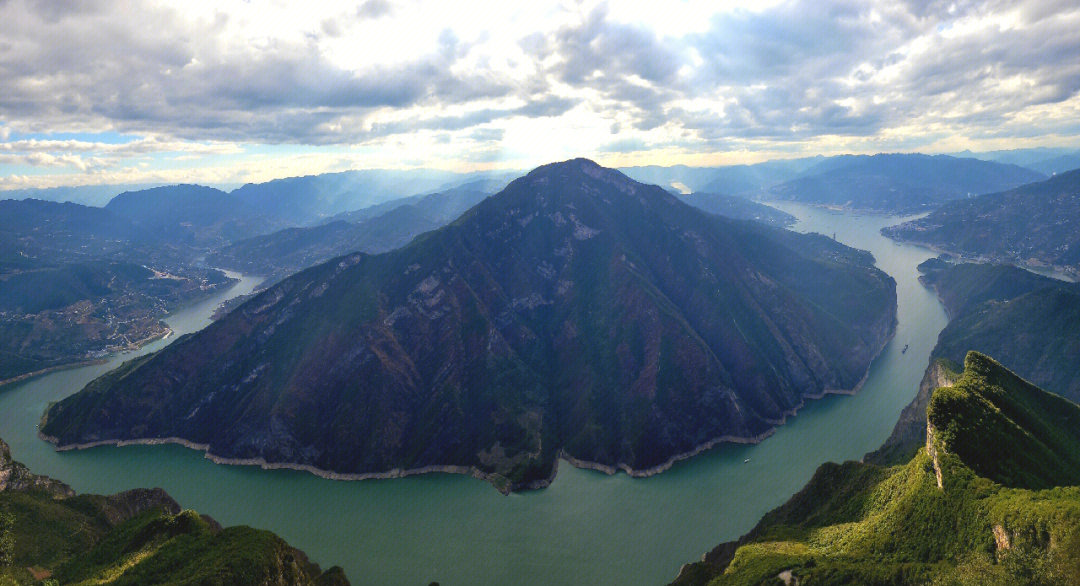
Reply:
x=577, y=311
x=731, y=206
x=1027, y=321
x=1036, y=224
x=1005, y=428
x=974, y=507
x=371, y=230
x=136, y=537
x=901, y=182
x=192, y=215
x=441, y=206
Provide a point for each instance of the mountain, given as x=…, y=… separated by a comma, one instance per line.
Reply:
x=300, y=201
x=990, y=499
x=192, y=215
x=744, y=180
x=50, y=535
x=1028, y=321
x=377, y=229
x=731, y=206
x=441, y=206
x=87, y=195
x=755, y=180
x=1036, y=224
x=1048, y=161
x=36, y=233
x=897, y=183
x=75, y=283
x=575, y=313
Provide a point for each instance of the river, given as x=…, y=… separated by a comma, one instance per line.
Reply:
x=586, y=528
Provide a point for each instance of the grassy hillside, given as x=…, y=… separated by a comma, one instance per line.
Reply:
x=1005, y=510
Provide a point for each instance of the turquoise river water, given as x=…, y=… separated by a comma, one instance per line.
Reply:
x=586, y=528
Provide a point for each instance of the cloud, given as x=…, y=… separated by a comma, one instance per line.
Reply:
x=795, y=77
x=373, y=9
x=187, y=78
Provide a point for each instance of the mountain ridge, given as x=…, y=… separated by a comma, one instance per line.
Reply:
x=954, y=513
x=725, y=326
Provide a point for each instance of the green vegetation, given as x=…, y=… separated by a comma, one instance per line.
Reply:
x=1026, y=321
x=576, y=310
x=1007, y=510
x=137, y=537
x=1034, y=224
x=7, y=537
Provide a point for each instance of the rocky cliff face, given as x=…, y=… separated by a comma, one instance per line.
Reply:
x=576, y=312
x=17, y=478
x=969, y=509
x=910, y=431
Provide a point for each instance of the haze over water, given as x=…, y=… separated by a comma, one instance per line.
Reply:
x=586, y=528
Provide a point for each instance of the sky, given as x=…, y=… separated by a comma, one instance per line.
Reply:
x=234, y=91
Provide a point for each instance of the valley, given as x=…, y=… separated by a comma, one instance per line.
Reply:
x=418, y=529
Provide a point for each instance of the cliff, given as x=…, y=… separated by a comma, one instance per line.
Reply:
x=992, y=498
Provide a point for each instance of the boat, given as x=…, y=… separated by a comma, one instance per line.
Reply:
x=904, y=351
x=746, y=461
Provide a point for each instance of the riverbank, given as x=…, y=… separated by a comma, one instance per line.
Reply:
x=452, y=529
x=498, y=481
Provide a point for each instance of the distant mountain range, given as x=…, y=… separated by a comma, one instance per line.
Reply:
x=885, y=182
x=731, y=206
x=301, y=201
x=899, y=182
x=1036, y=224
x=75, y=284
x=577, y=313
x=36, y=233
x=970, y=507
x=376, y=229
x=192, y=215
x=1048, y=161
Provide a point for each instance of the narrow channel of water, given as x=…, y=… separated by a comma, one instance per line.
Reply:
x=587, y=528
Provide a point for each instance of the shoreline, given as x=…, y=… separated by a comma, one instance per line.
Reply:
x=51, y=369
x=1064, y=273
x=498, y=481
x=113, y=352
